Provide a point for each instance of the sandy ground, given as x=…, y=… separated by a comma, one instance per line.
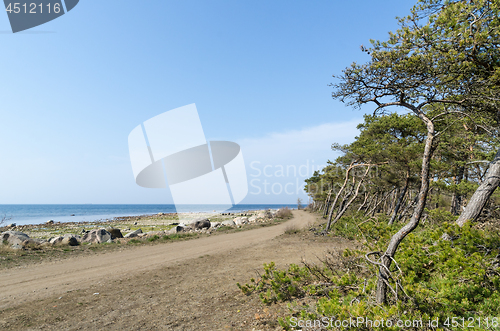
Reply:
x=187, y=285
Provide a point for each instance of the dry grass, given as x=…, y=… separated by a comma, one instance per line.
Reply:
x=292, y=229
x=284, y=213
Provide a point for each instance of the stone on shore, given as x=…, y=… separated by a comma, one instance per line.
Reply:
x=19, y=240
x=240, y=220
x=155, y=233
x=97, y=236
x=115, y=233
x=201, y=224
x=14, y=238
x=176, y=229
x=228, y=223
x=133, y=234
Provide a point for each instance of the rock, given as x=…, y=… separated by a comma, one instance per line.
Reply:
x=262, y=215
x=70, y=241
x=35, y=241
x=228, y=223
x=155, y=233
x=214, y=225
x=56, y=240
x=253, y=219
x=115, y=233
x=14, y=238
x=50, y=222
x=96, y=236
x=201, y=224
x=72, y=215
x=240, y=220
x=133, y=234
x=11, y=225
x=176, y=229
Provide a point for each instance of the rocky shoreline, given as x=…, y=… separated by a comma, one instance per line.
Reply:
x=126, y=228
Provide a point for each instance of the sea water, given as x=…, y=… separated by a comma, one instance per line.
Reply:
x=37, y=214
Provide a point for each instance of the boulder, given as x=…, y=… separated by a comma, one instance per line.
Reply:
x=240, y=220
x=115, y=233
x=253, y=219
x=214, y=225
x=201, y=224
x=35, y=241
x=155, y=233
x=228, y=223
x=11, y=225
x=49, y=222
x=14, y=238
x=133, y=234
x=56, y=240
x=67, y=239
x=96, y=236
x=19, y=240
x=70, y=241
x=261, y=215
x=176, y=229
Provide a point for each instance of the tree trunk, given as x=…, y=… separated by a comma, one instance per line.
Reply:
x=377, y=205
x=330, y=214
x=327, y=201
x=383, y=277
x=456, y=199
x=364, y=202
x=409, y=205
x=401, y=197
x=343, y=210
x=483, y=192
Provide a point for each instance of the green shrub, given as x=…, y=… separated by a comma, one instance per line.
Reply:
x=438, y=279
x=440, y=216
x=153, y=238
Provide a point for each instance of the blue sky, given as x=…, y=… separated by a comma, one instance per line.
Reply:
x=73, y=89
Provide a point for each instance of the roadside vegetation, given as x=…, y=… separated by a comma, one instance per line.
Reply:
x=417, y=187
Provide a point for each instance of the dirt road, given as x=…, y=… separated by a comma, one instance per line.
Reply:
x=176, y=286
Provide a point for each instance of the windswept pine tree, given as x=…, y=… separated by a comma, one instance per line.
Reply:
x=445, y=53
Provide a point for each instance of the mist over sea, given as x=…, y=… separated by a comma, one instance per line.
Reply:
x=36, y=214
